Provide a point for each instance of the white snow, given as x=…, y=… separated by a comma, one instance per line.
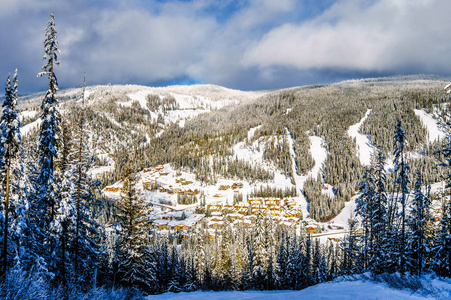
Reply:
x=27, y=128
x=100, y=170
x=434, y=131
x=251, y=132
x=364, y=148
x=319, y=154
x=347, y=212
x=339, y=289
x=139, y=96
x=27, y=114
x=448, y=88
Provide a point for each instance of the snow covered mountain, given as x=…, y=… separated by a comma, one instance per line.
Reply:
x=313, y=140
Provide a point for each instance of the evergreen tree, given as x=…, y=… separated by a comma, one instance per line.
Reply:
x=351, y=251
x=46, y=187
x=14, y=185
x=282, y=263
x=379, y=219
x=418, y=250
x=260, y=257
x=87, y=231
x=442, y=246
x=365, y=210
x=402, y=180
x=132, y=214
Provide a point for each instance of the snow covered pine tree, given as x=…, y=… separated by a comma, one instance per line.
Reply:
x=49, y=145
x=13, y=181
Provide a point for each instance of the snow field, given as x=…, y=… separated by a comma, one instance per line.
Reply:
x=319, y=154
x=339, y=289
x=363, y=142
x=27, y=128
x=435, y=133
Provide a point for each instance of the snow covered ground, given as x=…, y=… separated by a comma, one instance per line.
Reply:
x=319, y=154
x=27, y=128
x=27, y=114
x=435, y=133
x=336, y=290
x=363, y=143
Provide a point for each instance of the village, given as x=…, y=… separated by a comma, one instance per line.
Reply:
x=178, y=204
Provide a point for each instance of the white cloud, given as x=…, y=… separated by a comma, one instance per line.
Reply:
x=384, y=36
x=242, y=44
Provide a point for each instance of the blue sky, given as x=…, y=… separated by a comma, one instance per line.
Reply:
x=243, y=44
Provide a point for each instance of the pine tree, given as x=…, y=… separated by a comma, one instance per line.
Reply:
x=260, y=252
x=49, y=140
x=442, y=245
x=282, y=262
x=134, y=235
x=87, y=230
x=402, y=191
x=379, y=219
x=351, y=251
x=417, y=248
x=365, y=209
x=14, y=183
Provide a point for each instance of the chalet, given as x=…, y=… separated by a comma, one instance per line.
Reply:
x=293, y=214
x=251, y=218
x=224, y=187
x=216, y=216
x=215, y=224
x=112, y=189
x=186, y=182
x=255, y=201
x=181, y=227
x=245, y=223
x=275, y=213
x=234, y=216
x=214, y=207
x=270, y=202
x=237, y=185
x=275, y=208
x=243, y=211
x=311, y=228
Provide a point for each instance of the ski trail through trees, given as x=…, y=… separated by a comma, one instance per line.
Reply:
x=319, y=154
x=363, y=142
x=435, y=133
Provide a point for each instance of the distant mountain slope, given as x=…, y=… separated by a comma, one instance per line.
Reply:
x=197, y=129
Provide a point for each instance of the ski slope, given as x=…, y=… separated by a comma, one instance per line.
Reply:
x=319, y=154
x=363, y=143
x=435, y=133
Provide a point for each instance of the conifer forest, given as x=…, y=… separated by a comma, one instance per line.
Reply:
x=120, y=192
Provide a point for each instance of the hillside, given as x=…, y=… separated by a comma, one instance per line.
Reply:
x=313, y=140
x=206, y=188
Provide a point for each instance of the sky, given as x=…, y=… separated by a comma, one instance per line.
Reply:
x=241, y=44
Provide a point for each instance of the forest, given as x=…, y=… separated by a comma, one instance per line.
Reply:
x=61, y=239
